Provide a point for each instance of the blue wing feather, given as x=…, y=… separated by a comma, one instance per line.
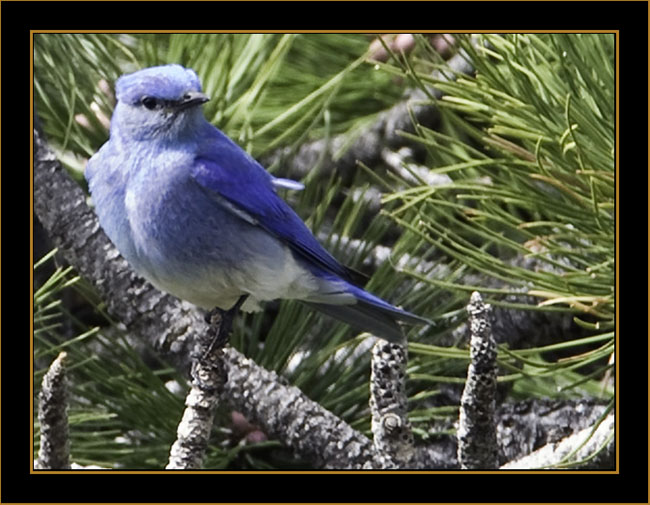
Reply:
x=243, y=186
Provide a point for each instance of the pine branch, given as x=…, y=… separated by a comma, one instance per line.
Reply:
x=519, y=328
x=529, y=425
x=591, y=447
x=385, y=132
x=477, y=438
x=209, y=374
x=285, y=413
x=391, y=428
x=54, y=453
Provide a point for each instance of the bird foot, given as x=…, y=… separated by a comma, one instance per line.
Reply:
x=220, y=322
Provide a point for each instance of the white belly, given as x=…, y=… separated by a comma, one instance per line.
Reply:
x=262, y=281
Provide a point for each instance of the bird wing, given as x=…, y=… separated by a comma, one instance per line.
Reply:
x=240, y=184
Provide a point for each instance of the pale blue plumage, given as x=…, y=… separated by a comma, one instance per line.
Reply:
x=197, y=216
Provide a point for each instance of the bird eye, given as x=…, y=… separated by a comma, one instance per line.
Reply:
x=150, y=102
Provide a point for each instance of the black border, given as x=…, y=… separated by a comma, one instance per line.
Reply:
x=631, y=18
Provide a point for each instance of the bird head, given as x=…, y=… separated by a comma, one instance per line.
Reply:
x=157, y=103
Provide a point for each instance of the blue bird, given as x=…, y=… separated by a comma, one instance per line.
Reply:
x=199, y=218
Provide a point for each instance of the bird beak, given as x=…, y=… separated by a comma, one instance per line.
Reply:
x=192, y=98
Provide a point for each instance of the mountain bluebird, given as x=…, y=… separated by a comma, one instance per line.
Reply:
x=199, y=218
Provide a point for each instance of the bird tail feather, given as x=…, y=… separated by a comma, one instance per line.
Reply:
x=371, y=314
x=364, y=318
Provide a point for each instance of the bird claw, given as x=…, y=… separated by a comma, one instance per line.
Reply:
x=220, y=322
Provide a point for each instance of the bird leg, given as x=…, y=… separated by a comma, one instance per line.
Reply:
x=220, y=322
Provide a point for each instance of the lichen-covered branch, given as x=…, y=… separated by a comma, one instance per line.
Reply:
x=54, y=452
x=302, y=424
x=391, y=428
x=477, y=434
x=592, y=447
x=209, y=374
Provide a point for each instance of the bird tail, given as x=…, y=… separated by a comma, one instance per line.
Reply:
x=370, y=313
